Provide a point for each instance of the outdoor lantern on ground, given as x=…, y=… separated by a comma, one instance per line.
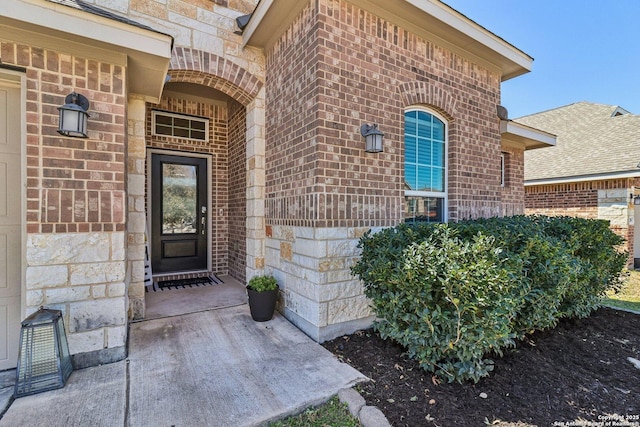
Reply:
x=73, y=116
x=372, y=137
x=44, y=362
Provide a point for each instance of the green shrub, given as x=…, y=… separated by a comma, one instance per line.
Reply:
x=448, y=301
x=595, y=245
x=263, y=283
x=453, y=294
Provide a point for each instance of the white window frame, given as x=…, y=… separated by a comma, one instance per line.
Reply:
x=155, y=113
x=444, y=194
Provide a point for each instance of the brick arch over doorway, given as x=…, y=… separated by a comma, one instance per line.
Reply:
x=208, y=69
x=245, y=127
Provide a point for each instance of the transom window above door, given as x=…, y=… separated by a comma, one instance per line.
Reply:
x=165, y=123
x=425, y=166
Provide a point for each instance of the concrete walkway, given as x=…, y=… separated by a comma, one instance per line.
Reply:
x=212, y=368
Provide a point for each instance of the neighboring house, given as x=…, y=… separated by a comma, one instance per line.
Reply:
x=592, y=172
x=257, y=129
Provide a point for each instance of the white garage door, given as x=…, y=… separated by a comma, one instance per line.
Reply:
x=10, y=223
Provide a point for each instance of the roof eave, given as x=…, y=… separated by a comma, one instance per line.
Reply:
x=66, y=29
x=431, y=19
x=581, y=178
x=528, y=137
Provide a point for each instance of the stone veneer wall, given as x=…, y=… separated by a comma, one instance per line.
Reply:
x=319, y=294
x=335, y=68
x=601, y=199
x=75, y=217
x=136, y=206
x=82, y=274
x=203, y=25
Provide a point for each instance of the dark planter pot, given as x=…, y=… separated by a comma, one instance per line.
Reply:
x=262, y=304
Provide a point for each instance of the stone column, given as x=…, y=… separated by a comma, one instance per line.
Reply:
x=255, y=185
x=136, y=214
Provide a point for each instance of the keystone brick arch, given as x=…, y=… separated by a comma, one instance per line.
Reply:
x=196, y=66
x=416, y=93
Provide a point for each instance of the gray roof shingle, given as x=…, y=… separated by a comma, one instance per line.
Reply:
x=592, y=139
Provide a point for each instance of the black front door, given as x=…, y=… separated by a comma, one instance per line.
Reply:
x=179, y=213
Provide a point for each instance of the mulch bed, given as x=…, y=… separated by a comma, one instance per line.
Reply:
x=576, y=374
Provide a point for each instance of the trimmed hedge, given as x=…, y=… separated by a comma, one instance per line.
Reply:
x=453, y=294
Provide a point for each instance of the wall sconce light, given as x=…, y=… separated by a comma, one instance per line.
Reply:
x=372, y=137
x=73, y=116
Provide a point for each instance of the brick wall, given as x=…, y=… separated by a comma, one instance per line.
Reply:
x=578, y=199
x=338, y=67
x=513, y=188
x=217, y=147
x=73, y=185
x=335, y=68
x=598, y=199
x=237, y=191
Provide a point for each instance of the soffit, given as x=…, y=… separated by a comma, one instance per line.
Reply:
x=430, y=19
x=526, y=137
x=58, y=27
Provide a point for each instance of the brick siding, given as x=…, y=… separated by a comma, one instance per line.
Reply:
x=73, y=185
x=217, y=147
x=578, y=199
x=207, y=69
x=338, y=67
x=513, y=188
x=237, y=191
x=584, y=200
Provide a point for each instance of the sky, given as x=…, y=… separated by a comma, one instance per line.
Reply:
x=583, y=50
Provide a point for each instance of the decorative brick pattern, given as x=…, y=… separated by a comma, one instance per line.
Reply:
x=208, y=53
x=73, y=185
x=426, y=93
x=362, y=69
x=207, y=69
x=228, y=148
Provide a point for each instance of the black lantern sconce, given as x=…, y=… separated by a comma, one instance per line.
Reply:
x=73, y=116
x=373, y=138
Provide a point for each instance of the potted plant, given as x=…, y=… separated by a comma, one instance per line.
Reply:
x=263, y=293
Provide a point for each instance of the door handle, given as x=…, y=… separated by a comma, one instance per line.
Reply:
x=203, y=219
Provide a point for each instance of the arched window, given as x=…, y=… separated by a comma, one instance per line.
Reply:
x=425, y=166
